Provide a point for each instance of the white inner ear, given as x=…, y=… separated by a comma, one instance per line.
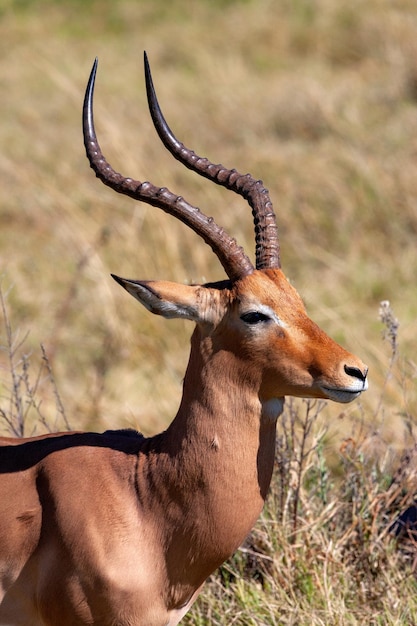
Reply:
x=155, y=303
x=172, y=309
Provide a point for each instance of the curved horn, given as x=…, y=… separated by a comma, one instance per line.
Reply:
x=232, y=257
x=266, y=232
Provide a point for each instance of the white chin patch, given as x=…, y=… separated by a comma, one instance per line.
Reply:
x=272, y=409
x=345, y=395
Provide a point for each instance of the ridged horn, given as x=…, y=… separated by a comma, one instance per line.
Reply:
x=232, y=257
x=266, y=231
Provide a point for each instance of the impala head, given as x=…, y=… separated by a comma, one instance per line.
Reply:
x=255, y=316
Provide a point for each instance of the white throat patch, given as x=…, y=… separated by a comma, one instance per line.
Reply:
x=272, y=409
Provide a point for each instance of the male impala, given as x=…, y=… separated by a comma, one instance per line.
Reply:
x=115, y=528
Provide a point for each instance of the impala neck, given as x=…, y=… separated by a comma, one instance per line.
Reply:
x=214, y=462
x=220, y=421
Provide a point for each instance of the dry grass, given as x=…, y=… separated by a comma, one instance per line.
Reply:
x=317, y=98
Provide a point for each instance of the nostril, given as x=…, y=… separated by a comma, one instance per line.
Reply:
x=356, y=372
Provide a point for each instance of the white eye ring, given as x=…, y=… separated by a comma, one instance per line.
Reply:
x=261, y=313
x=254, y=317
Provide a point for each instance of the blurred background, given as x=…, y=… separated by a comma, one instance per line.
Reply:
x=316, y=97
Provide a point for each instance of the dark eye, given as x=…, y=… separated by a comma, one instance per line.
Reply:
x=254, y=317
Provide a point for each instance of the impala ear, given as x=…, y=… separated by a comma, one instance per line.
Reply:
x=171, y=299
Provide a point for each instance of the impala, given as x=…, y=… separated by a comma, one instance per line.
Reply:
x=116, y=528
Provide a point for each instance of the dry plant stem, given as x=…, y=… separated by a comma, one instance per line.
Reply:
x=294, y=458
x=23, y=392
x=68, y=301
x=390, y=333
x=15, y=416
x=58, y=401
x=306, y=425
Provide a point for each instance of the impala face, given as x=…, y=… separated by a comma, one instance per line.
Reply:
x=261, y=320
x=298, y=358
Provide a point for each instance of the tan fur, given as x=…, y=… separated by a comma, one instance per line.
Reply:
x=115, y=528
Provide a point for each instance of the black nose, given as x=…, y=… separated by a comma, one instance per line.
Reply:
x=356, y=372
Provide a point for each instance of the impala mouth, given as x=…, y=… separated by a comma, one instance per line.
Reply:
x=344, y=395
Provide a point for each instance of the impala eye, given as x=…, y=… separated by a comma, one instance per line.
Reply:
x=254, y=317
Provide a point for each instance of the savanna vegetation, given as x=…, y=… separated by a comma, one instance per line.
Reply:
x=319, y=99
